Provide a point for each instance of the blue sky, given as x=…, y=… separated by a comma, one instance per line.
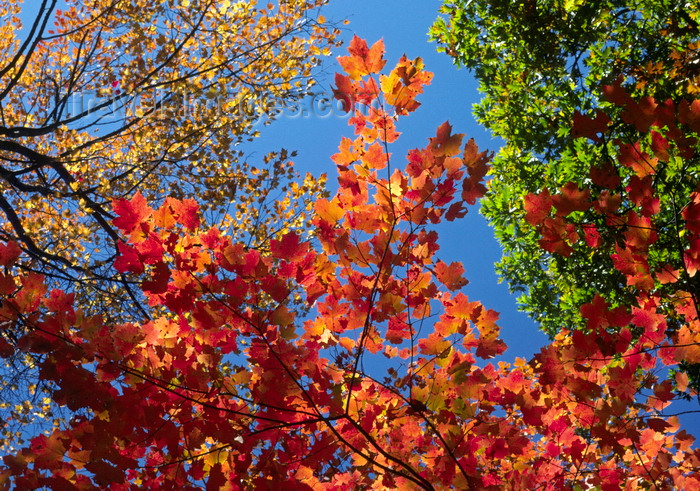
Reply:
x=403, y=26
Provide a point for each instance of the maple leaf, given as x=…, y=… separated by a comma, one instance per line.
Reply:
x=282, y=316
x=615, y=93
x=640, y=233
x=344, y=91
x=404, y=83
x=632, y=156
x=681, y=379
x=160, y=276
x=691, y=213
x=660, y=146
x=375, y=157
x=641, y=193
x=591, y=235
x=667, y=274
x=59, y=301
x=691, y=257
x=688, y=342
x=348, y=153
x=455, y=211
x=490, y=346
x=537, y=206
x=689, y=114
x=386, y=128
x=30, y=293
x=641, y=113
x=131, y=212
x=658, y=424
x=571, y=199
x=450, y=275
x=434, y=345
x=557, y=236
x=635, y=268
x=128, y=260
x=607, y=203
x=275, y=287
x=663, y=394
x=397, y=331
x=9, y=253
x=605, y=175
x=185, y=211
x=584, y=126
x=622, y=383
x=445, y=143
x=367, y=93
x=363, y=60
x=289, y=247
x=330, y=211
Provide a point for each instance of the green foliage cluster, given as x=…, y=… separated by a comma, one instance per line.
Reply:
x=538, y=63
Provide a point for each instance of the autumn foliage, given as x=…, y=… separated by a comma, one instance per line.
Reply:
x=620, y=213
x=382, y=382
x=102, y=99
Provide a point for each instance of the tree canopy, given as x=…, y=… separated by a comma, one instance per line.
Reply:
x=176, y=315
x=227, y=386
x=543, y=69
x=99, y=100
x=102, y=99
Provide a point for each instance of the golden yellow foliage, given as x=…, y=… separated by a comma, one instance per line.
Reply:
x=101, y=99
x=108, y=97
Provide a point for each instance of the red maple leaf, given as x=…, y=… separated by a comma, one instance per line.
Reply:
x=130, y=212
x=160, y=276
x=538, y=206
x=689, y=114
x=288, y=247
x=585, y=126
x=345, y=91
x=571, y=199
x=641, y=113
x=641, y=162
x=445, y=143
x=615, y=93
x=9, y=252
x=128, y=260
x=186, y=212
x=605, y=175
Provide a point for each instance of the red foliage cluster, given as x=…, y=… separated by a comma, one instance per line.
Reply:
x=229, y=385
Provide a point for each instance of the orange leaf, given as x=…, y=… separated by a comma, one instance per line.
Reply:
x=667, y=274
x=681, y=381
x=450, y=276
x=363, y=60
x=375, y=157
x=446, y=144
x=330, y=211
